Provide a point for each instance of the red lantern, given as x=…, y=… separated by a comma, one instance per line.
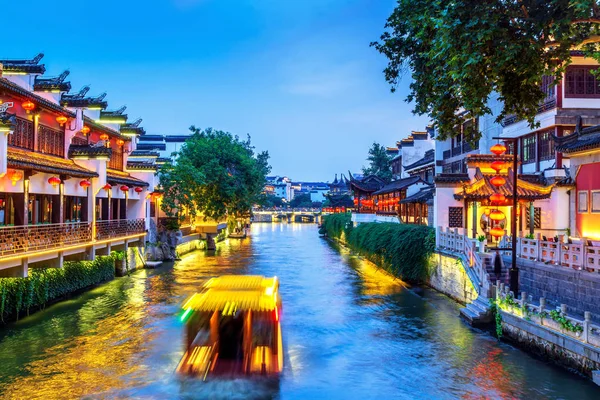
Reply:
x=85, y=130
x=85, y=184
x=61, y=119
x=14, y=176
x=497, y=166
x=497, y=232
x=54, y=181
x=498, y=181
x=497, y=198
x=498, y=149
x=497, y=215
x=138, y=189
x=107, y=187
x=120, y=142
x=28, y=106
x=124, y=188
x=104, y=136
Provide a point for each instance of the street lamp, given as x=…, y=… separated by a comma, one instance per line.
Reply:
x=514, y=269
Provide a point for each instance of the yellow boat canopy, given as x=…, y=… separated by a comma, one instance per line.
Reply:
x=231, y=293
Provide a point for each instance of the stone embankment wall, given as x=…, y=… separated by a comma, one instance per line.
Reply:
x=448, y=276
x=190, y=243
x=579, y=290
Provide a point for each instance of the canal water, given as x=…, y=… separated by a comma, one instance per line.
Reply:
x=349, y=334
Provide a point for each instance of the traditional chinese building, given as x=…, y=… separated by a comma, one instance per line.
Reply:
x=67, y=188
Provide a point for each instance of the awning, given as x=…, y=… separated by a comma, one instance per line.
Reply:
x=422, y=196
x=29, y=160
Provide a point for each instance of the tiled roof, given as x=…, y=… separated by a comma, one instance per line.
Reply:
x=144, y=153
x=28, y=160
x=162, y=160
x=55, y=83
x=89, y=150
x=451, y=178
x=488, y=158
x=177, y=138
x=13, y=87
x=340, y=200
x=152, y=138
x=422, y=196
x=583, y=139
x=400, y=184
x=94, y=125
x=141, y=165
x=123, y=178
x=115, y=114
x=133, y=128
x=32, y=66
x=368, y=184
x=79, y=100
x=428, y=158
x=151, y=146
x=482, y=189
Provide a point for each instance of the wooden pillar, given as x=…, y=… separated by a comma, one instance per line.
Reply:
x=466, y=217
x=475, y=220
x=26, y=183
x=531, y=217
x=109, y=204
x=61, y=201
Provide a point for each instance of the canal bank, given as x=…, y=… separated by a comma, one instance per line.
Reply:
x=347, y=335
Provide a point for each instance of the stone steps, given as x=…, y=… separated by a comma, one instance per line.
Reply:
x=477, y=312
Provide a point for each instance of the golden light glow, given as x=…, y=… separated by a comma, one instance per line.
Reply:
x=14, y=176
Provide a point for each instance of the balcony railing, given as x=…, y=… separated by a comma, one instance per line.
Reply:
x=549, y=104
x=119, y=227
x=32, y=238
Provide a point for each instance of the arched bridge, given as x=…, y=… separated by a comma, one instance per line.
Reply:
x=306, y=215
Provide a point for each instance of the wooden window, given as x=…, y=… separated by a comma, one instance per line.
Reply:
x=455, y=217
x=537, y=218
x=50, y=141
x=580, y=83
x=23, y=134
x=75, y=209
x=116, y=159
x=548, y=87
x=529, y=149
x=582, y=201
x=7, y=209
x=546, y=146
x=595, y=200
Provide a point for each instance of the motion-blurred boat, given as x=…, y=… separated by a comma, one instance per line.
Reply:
x=233, y=328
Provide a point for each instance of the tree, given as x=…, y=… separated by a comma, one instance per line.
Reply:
x=271, y=201
x=301, y=201
x=459, y=52
x=215, y=174
x=379, y=163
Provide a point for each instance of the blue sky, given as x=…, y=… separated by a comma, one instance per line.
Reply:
x=297, y=75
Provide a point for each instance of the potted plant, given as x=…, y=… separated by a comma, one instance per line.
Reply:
x=482, y=243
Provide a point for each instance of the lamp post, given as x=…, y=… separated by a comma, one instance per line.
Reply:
x=514, y=269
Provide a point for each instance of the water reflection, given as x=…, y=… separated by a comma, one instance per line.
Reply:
x=349, y=332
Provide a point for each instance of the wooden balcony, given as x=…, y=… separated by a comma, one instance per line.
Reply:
x=16, y=240
x=119, y=228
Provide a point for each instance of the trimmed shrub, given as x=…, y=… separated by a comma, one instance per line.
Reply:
x=18, y=295
x=403, y=250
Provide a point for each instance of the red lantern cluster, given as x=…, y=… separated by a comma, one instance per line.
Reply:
x=498, y=149
x=496, y=216
x=497, y=232
x=85, y=184
x=54, y=181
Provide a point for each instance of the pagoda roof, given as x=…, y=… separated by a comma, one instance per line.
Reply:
x=482, y=189
x=79, y=100
x=18, y=90
x=583, y=139
x=90, y=150
x=399, y=184
x=56, y=83
x=422, y=196
x=369, y=184
x=133, y=128
x=117, y=115
x=31, y=66
x=340, y=200
x=116, y=177
x=29, y=160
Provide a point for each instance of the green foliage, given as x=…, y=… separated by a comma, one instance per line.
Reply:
x=216, y=175
x=530, y=236
x=400, y=249
x=460, y=52
x=379, y=163
x=481, y=238
x=271, y=201
x=302, y=201
x=497, y=317
x=47, y=284
x=564, y=322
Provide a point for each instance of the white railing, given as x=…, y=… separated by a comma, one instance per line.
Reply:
x=577, y=255
x=579, y=329
x=451, y=240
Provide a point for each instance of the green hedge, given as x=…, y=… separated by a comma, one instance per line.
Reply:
x=403, y=250
x=19, y=295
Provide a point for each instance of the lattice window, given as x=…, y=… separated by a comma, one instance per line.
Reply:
x=116, y=159
x=548, y=87
x=22, y=135
x=80, y=141
x=579, y=82
x=529, y=149
x=455, y=217
x=546, y=146
x=50, y=141
x=537, y=218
